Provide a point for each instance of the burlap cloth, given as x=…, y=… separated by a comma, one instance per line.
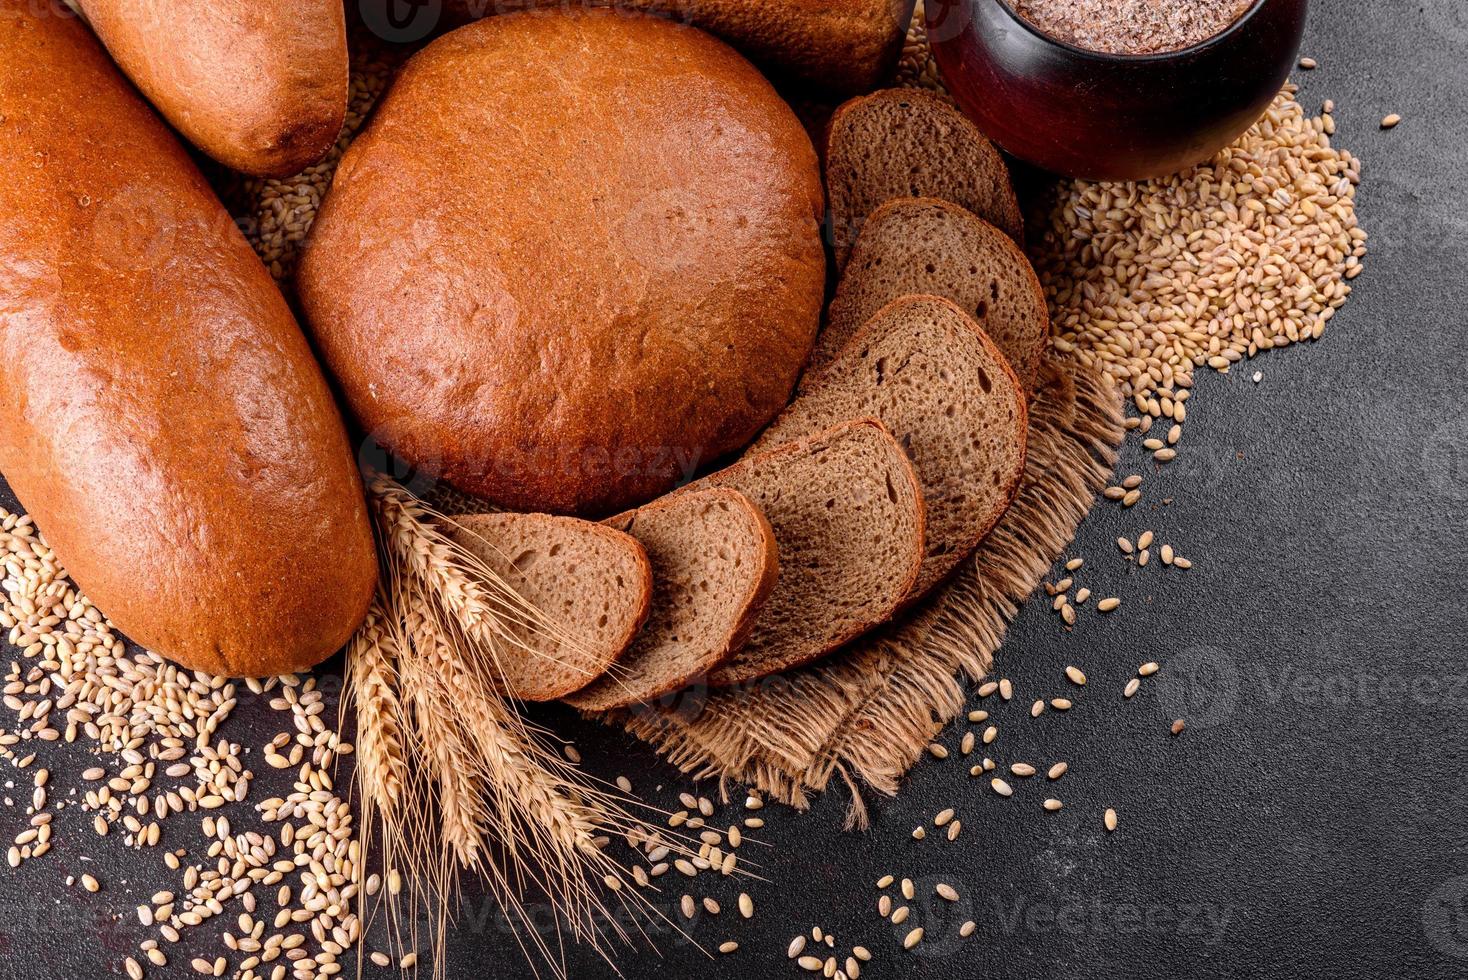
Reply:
x=866, y=713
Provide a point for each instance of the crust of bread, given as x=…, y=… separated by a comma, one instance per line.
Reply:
x=734, y=673
x=554, y=329
x=259, y=86
x=842, y=46
x=530, y=681
x=161, y=414
x=845, y=229
x=1026, y=366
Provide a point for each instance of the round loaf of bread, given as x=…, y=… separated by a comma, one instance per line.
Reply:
x=575, y=256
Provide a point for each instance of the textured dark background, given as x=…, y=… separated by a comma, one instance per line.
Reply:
x=1313, y=818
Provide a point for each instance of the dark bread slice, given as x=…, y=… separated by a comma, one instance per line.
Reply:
x=594, y=583
x=925, y=245
x=945, y=391
x=714, y=563
x=847, y=511
x=904, y=142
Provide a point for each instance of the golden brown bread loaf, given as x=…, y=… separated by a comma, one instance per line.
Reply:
x=259, y=85
x=161, y=416
x=573, y=257
x=842, y=45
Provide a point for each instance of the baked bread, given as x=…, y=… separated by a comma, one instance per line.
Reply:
x=593, y=582
x=568, y=297
x=714, y=562
x=260, y=87
x=907, y=142
x=924, y=245
x=847, y=511
x=161, y=415
x=946, y=393
x=838, y=45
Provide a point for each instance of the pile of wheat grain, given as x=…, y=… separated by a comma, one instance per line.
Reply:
x=1250, y=251
x=273, y=892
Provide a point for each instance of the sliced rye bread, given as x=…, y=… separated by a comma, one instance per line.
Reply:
x=904, y=142
x=714, y=564
x=848, y=516
x=945, y=391
x=593, y=583
x=934, y=247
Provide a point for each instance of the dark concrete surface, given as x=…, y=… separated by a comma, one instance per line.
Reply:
x=1313, y=818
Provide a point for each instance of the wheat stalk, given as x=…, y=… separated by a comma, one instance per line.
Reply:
x=459, y=783
x=372, y=659
x=487, y=608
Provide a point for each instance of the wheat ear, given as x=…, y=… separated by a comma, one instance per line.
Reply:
x=372, y=663
x=488, y=609
x=459, y=781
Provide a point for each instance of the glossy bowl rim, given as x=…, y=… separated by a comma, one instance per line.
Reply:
x=1130, y=59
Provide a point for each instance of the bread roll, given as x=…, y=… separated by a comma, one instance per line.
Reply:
x=845, y=46
x=161, y=416
x=574, y=257
x=259, y=85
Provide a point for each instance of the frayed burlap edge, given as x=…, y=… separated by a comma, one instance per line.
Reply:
x=867, y=713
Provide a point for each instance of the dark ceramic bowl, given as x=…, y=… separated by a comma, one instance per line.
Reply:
x=1111, y=116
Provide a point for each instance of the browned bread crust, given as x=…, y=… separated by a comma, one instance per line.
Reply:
x=564, y=282
x=840, y=45
x=259, y=85
x=161, y=415
x=924, y=245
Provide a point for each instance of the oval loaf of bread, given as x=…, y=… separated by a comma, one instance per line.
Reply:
x=594, y=583
x=259, y=85
x=161, y=415
x=715, y=562
x=838, y=45
x=927, y=371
